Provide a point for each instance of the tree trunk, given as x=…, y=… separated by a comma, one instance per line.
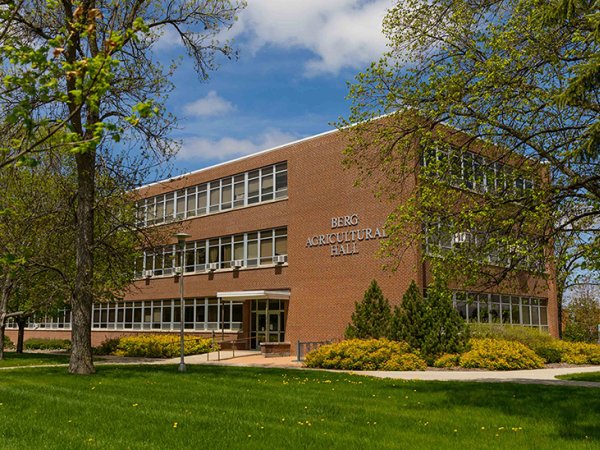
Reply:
x=21, y=333
x=2, y=328
x=81, y=339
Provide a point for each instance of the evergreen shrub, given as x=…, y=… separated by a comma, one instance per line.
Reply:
x=7, y=342
x=431, y=325
x=47, y=344
x=107, y=347
x=371, y=318
x=499, y=354
x=161, y=346
x=370, y=354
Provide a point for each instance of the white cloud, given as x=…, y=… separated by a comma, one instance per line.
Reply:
x=341, y=33
x=200, y=149
x=211, y=105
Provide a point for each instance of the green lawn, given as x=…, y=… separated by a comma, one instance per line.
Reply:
x=12, y=359
x=226, y=407
x=589, y=376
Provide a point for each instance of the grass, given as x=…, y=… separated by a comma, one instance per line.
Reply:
x=587, y=376
x=13, y=359
x=154, y=407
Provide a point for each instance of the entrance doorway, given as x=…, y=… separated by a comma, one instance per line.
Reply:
x=267, y=323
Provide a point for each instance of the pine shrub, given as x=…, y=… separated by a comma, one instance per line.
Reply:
x=431, y=325
x=371, y=318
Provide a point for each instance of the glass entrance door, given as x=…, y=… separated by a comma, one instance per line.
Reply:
x=268, y=321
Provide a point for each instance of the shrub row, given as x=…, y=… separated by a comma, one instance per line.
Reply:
x=47, y=344
x=370, y=354
x=160, y=346
x=551, y=350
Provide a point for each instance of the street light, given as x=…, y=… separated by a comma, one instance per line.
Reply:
x=181, y=237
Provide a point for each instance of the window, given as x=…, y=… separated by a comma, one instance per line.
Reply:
x=504, y=309
x=248, y=188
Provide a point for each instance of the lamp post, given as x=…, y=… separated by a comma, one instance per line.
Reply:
x=181, y=237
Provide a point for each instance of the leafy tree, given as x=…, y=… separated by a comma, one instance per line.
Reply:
x=371, y=318
x=583, y=315
x=38, y=272
x=513, y=80
x=87, y=69
x=430, y=325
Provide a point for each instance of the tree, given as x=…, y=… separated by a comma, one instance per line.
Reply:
x=371, y=318
x=500, y=100
x=86, y=69
x=583, y=315
x=37, y=239
x=430, y=325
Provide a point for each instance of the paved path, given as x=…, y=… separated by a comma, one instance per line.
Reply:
x=244, y=358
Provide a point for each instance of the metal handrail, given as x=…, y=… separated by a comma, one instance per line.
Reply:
x=308, y=346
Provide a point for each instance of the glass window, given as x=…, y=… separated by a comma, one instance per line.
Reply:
x=191, y=202
x=253, y=187
x=226, y=194
x=202, y=199
x=169, y=206
x=214, y=196
x=252, y=249
x=239, y=188
x=180, y=205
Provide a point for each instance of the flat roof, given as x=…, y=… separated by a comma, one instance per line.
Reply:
x=241, y=158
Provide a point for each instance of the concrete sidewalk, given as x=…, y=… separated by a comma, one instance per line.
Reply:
x=537, y=376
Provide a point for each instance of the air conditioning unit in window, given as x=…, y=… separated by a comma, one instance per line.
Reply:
x=280, y=259
x=177, y=270
x=238, y=263
x=148, y=273
x=211, y=267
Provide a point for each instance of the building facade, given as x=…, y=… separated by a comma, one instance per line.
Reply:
x=281, y=245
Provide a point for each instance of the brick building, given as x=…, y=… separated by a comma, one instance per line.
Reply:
x=281, y=245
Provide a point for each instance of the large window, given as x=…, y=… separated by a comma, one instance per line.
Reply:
x=258, y=248
x=201, y=314
x=502, y=309
x=256, y=186
x=474, y=172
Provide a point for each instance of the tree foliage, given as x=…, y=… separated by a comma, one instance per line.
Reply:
x=37, y=238
x=371, y=318
x=516, y=81
x=87, y=72
x=583, y=315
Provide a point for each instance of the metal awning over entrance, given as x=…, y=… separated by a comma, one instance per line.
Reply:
x=254, y=295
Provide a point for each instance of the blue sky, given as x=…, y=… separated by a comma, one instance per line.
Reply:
x=295, y=57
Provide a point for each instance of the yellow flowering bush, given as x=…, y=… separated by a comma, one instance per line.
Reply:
x=161, y=346
x=367, y=354
x=447, y=360
x=499, y=354
x=579, y=352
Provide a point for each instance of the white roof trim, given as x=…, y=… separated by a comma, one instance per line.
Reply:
x=254, y=295
x=241, y=158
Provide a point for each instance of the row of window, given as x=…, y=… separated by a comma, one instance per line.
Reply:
x=439, y=241
x=475, y=172
x=253, y=249
x=201, y=314
x=248, y=188
x=503, y=309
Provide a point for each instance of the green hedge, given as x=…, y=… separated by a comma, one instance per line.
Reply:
x=47, y=344
x=161, y=346
x=499, y=354
x=369, y=354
